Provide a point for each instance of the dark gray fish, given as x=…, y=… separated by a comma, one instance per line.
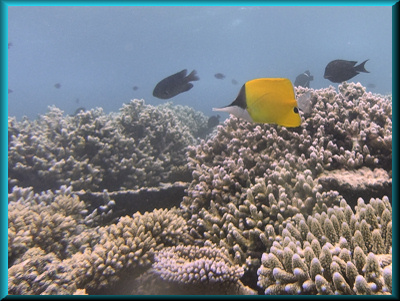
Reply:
x=371, y=86
x=213, y=121
x=57, y=85
x=175, y=84
x=304, y=79
x=10, y=91
x=234, y=81
x=219, y=75
x=339, y=71
x=9, y=45
x=135, y=88
x=78, y=110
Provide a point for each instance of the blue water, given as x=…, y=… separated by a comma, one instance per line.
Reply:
x=98, y=54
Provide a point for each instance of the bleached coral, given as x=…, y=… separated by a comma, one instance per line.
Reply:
x=54, y=248
x=192, y=270
x=250, y=178
x=260, y=191
x=190, y=264
x=333, y=252
x=141, y=146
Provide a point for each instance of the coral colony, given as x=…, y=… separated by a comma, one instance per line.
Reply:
x=246, y=209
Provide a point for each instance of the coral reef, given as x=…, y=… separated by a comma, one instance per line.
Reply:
x=264, y=208
x=336, y=252
x=191, y=264
x=249, y=178
x=192, y=270
x=139, y=147
x=55, y=243
x=363, y=182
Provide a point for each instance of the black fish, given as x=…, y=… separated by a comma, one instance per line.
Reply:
x=339, y=71
x=9, y=45
x=57, y=85
x=135, y=88
x=304, y=79
x=234, y=81
x=10, y=91
x=175, y=84
x=219, y=75
x=213, y=121
x=78, y=110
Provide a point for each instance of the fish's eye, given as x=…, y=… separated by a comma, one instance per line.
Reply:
x=296, y=110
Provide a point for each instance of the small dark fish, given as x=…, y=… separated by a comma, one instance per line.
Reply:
x=304, y=79
x=77, y=100
x=10, y=91
x=339, y=71
x=78, y=110
x=213, y=121
x=219, y=75
x=57, y=85
x=234, y=81
x=135, y=88
x=9, y=45
x=175, y=84
x=371, y=86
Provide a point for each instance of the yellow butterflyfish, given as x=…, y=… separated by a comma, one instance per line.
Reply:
x=266, y=100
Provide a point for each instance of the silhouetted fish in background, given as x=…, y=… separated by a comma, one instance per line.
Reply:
x=219, y=75
x=135, y=88
x=80, y=109
x=9, y=45
x=213, y=121
x=10, y=91
x=175, y=84
x=234, y=81
x=304, y=79
x=371, y=86
x=57, y=86
x=339, y=71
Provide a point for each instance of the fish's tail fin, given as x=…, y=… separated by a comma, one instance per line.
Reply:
x=192, y=76
x=361, y=68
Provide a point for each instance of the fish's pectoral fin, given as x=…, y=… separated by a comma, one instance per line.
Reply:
x=187, y=87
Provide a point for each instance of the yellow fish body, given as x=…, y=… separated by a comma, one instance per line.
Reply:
x=266, y=100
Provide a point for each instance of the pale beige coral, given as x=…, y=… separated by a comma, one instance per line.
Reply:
x=53, y=253
x=141, y=146
x=323, y=261
x=250, y=177
x=194, y=264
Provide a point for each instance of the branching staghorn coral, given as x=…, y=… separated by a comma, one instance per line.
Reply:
x=141, y=146
x=260, y=191
x=56, y=248
x=192, y=270
x=337, y=251
x=250, y=178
